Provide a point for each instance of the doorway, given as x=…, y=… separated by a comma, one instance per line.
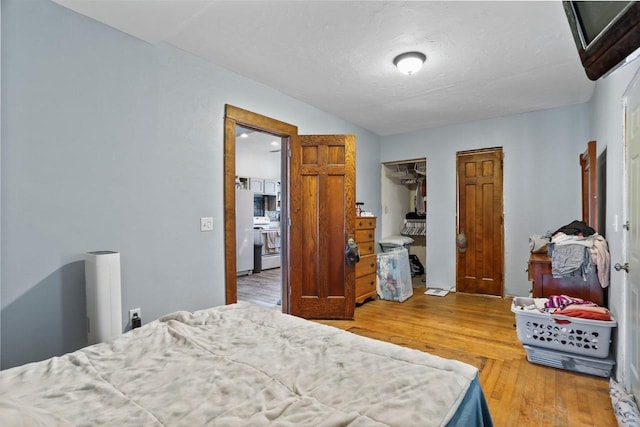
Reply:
x=479, y=239
x=258, y=217
x=236, y=118
x=318, y=212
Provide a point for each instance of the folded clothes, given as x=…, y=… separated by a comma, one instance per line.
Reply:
x=584, y=314
x=562, y=301
x=594, y=308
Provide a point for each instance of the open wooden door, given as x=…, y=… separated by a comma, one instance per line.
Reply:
x=322, y=212
x=318, y=195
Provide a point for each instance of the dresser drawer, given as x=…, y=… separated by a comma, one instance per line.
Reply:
x=365, y=235
x=363, y=223
x=366, y=284
x=367, y=265
x=366, y=248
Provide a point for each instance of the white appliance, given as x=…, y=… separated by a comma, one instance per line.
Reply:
x=269, y=236
x=104, y=304
x=244, y=231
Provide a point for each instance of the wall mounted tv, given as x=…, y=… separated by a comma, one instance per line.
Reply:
x=605, y=32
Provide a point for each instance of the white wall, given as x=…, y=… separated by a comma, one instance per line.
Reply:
x=606, y=116
x=112, y=143
x=541, y=182
x=257, y=164
x=0, y=179
x=395, y=199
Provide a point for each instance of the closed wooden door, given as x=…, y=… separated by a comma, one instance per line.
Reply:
x=322, y=212
x=589, y=173
x=479, y=249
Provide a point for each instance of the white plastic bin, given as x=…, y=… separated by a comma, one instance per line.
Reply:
x=563, y=333
x=393, y=275
x=569, y=361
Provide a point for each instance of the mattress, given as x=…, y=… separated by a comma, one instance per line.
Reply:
x=238, y=365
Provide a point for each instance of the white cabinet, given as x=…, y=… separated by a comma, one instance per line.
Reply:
x=257, y=185
x=271, y=186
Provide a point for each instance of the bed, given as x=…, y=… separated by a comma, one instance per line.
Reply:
x=241, y=364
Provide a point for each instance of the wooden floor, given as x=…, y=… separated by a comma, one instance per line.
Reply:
x=264, y=288
x=480, y=331
x=477, y=330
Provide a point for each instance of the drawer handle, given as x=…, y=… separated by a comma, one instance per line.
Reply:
x=370, y=235
x=371, y=282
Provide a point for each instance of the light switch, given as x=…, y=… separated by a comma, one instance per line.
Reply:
x=206, y=223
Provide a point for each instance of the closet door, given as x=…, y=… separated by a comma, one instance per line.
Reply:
x=480, y=263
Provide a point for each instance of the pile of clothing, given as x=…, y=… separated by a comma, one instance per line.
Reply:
x=571, y=307
x=576, y=249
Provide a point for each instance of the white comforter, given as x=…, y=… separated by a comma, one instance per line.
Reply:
x=236, y=365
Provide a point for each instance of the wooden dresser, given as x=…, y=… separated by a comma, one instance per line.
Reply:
x=544, y=284
x=366, y=268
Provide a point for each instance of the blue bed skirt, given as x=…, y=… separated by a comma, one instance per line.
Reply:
x=473, y=411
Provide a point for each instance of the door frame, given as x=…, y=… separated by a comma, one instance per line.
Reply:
x=237, y=116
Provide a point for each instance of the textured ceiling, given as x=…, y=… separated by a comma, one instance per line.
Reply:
x=484, y=59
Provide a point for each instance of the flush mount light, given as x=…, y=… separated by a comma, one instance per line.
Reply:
x=275, y=143
x=244, y=135
x=409, y=62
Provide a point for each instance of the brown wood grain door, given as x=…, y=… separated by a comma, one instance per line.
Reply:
x=322, y=209
x=589, y=172
x=480, y=211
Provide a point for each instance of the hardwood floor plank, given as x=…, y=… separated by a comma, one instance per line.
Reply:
x=480, y=331
x=264, y=288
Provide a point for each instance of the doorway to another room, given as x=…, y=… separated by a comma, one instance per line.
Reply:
x=258, y=217
x=316, y=171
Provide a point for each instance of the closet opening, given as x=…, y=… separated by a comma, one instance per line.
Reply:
x=404, y=212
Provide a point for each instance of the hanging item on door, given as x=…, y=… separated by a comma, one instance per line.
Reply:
x=352, y=253
x=461, y=242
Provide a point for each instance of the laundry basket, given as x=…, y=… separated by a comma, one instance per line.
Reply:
x=391, y=243
x=568, y=334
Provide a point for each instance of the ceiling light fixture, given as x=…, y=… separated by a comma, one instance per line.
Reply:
x=409, y=62
x=244, y=135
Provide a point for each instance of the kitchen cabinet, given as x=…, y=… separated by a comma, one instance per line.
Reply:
x=271, y=186
x=366, y=268
x=257, y=185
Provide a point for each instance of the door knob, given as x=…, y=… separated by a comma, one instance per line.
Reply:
x=624, y=267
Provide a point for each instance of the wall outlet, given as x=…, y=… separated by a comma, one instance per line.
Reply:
x=133, y=312
x=206, y=223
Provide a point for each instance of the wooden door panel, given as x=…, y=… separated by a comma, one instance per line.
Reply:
x=322, y=219
x=480, y=267
x=588, y=166
x=333, y=241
